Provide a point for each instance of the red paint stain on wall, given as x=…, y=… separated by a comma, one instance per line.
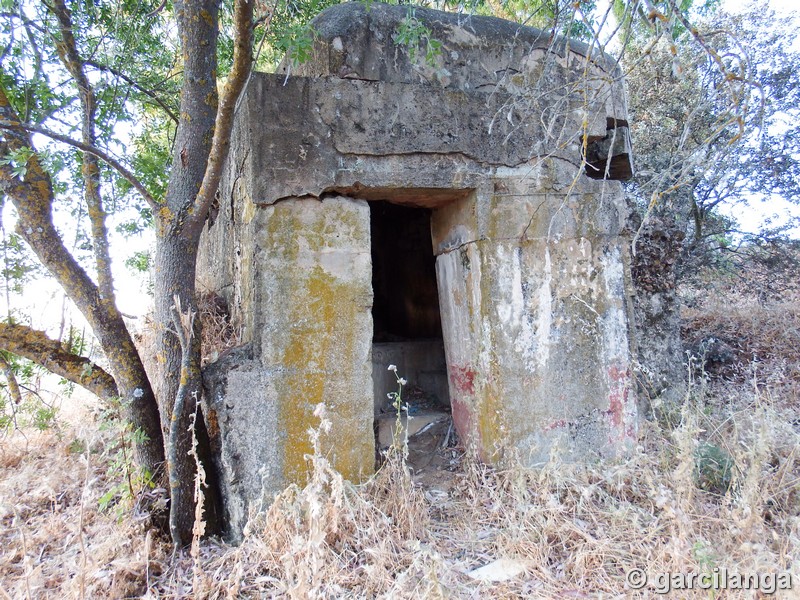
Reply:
x=462, y=420
x=556, y=425
x=462, y=379
x=618, y=394
x=462, y=386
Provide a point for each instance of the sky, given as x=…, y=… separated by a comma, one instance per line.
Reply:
x=775, y=210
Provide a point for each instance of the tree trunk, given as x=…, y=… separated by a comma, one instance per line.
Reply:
x=178, y=235
x=201, y=147
x=175, y=277
x=141, y=408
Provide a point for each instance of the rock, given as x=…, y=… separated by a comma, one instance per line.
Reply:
x=501, y=569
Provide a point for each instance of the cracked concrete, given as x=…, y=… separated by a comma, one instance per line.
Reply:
x=531, y=263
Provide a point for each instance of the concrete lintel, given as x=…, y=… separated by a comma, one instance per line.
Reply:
x=389, y=135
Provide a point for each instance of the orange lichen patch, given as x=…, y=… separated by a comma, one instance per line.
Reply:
x=206, y=16
x=491, y=432
x=165, y=214
x=323, y=335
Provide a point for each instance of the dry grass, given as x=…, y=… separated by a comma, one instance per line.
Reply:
x=219, y=333
x=561, y=532
x=566, y=531
x=54, y=542
x=761, y=340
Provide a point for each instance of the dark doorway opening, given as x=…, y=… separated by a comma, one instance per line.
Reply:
x=407, y=329
x=406, y=303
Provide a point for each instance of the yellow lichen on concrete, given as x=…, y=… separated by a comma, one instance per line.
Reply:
x=493, y=436
x=489, y=409
x=324, y=340
x=307, y=347
x=248, y=208
x=324, y=355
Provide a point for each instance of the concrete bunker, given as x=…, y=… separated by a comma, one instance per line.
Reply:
x=511, y=146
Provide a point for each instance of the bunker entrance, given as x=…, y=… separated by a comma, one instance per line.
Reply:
x=407, y=328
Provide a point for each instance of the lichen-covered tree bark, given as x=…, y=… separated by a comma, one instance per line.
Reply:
x=200, y=149
x=32, y=196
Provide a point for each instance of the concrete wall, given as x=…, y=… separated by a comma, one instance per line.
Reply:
x=316, y=327
x=536, y=326
x=532, y=265
x=311, y=343
x=422, y=363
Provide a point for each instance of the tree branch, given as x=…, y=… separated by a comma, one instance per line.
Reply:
x=11, y=380
x=32, y=196
x=68, y=52
x=184, y=330
x=738, y=94
x=36, y=185
x=158, y=9
x=151, y=94
x=38, y=347
x=198, y=31
x=115, y=164
x=220, y=145
x=23, y=19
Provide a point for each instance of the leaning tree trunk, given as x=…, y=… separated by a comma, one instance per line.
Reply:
x=139, y=401
x=33, y=199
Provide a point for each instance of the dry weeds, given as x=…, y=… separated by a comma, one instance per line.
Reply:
x=54, y=542
x=760, y=340
x=219, y=332
x=560, y=532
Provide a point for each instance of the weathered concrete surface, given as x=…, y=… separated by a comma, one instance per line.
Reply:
x=483, y=54
x=422, y=364
x=313, y=332
x=396, y=130
x=532, y=262
x=536, y=333
x=316, y=328
x=239, y=416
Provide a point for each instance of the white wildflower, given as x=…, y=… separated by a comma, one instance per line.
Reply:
x=393, y=368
